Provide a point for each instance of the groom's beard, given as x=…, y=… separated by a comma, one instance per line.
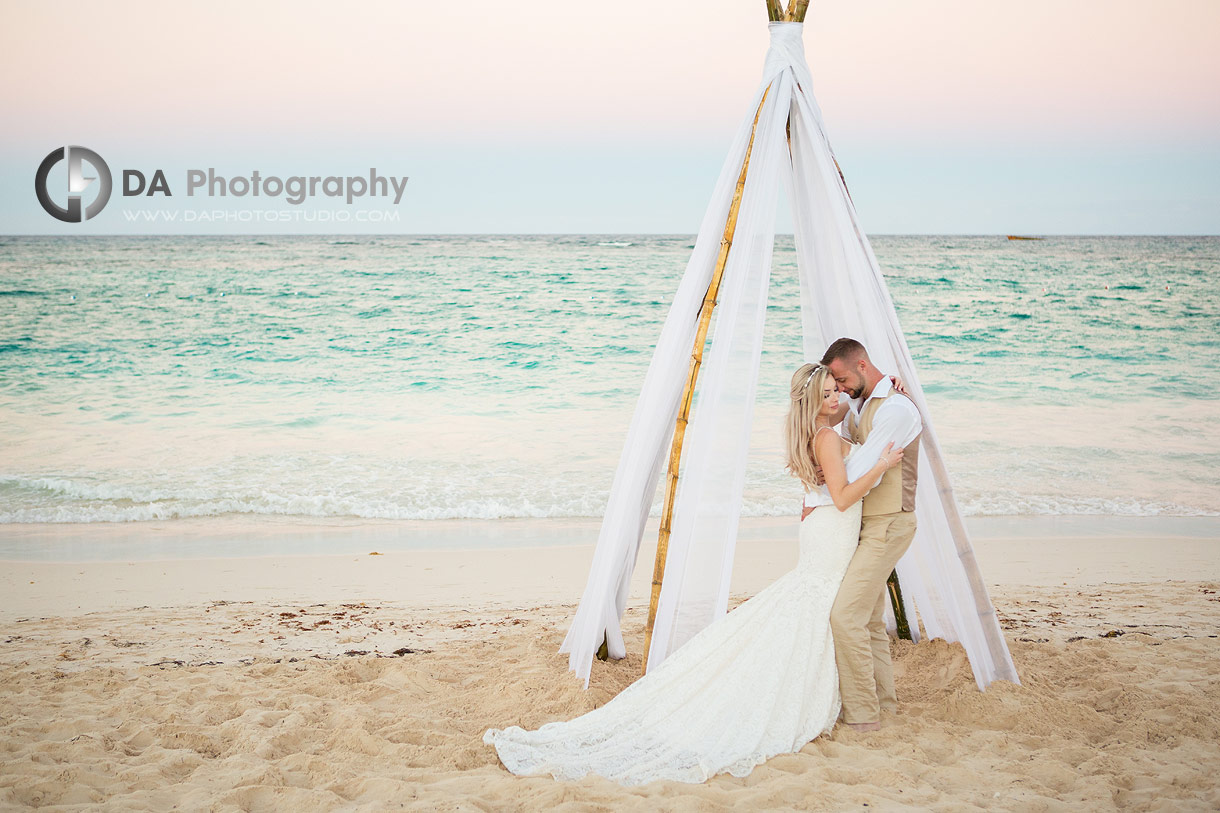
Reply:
x=857, y=390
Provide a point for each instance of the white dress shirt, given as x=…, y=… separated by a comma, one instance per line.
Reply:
x=896, y=420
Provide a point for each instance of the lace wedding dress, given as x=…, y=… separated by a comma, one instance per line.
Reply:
x=757, y=682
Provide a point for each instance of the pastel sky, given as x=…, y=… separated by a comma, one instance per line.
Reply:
x=948, y=116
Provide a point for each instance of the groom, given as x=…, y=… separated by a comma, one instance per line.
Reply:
x=878, y=415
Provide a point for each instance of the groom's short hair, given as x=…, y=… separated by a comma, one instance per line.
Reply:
x=847, y=349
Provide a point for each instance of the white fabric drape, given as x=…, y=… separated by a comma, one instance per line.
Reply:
x=842, y=294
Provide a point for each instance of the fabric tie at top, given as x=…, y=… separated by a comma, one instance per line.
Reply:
x=787, y=51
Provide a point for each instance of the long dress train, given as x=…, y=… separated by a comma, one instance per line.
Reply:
x=757, y=682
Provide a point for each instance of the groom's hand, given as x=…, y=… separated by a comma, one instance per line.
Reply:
x=817, y=476
x=805, y=511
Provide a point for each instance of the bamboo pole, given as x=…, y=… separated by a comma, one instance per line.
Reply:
x=794, y=14
x=900, y=614
x=796, y=11
x=692, y=375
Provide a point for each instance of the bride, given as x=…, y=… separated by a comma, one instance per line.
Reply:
x=757, y=682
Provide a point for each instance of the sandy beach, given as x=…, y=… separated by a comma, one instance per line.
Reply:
x=365, y=682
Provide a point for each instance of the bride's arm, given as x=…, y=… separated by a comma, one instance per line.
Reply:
x=845, y=494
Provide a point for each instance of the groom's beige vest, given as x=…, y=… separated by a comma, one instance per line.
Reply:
x=896, y=491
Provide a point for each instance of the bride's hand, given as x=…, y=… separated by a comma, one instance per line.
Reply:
x=891, y=457
x=898, y=385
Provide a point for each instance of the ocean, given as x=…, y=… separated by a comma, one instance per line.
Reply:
x=485, y=377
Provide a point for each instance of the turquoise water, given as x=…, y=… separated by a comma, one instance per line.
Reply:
x=439, y=377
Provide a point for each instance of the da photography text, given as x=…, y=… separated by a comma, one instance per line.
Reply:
x=155, y=184
x=296, y=189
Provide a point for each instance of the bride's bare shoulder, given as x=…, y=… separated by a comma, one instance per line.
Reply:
x=825, y=436
x=831, y=443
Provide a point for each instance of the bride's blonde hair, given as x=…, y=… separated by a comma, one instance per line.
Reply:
x=806, y=402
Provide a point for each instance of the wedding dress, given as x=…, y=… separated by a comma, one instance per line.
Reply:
x=757, y=682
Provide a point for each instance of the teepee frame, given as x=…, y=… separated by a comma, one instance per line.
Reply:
x=843, y=292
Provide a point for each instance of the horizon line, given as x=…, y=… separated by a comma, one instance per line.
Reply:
x=1035, y=236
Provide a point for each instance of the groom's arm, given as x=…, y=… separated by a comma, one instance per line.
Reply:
x=897, y=421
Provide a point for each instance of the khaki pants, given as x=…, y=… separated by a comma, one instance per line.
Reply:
x=862, y=647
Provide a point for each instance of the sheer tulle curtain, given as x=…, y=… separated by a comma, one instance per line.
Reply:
x=842, y=293
x=701, y=546
x=648, y=437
